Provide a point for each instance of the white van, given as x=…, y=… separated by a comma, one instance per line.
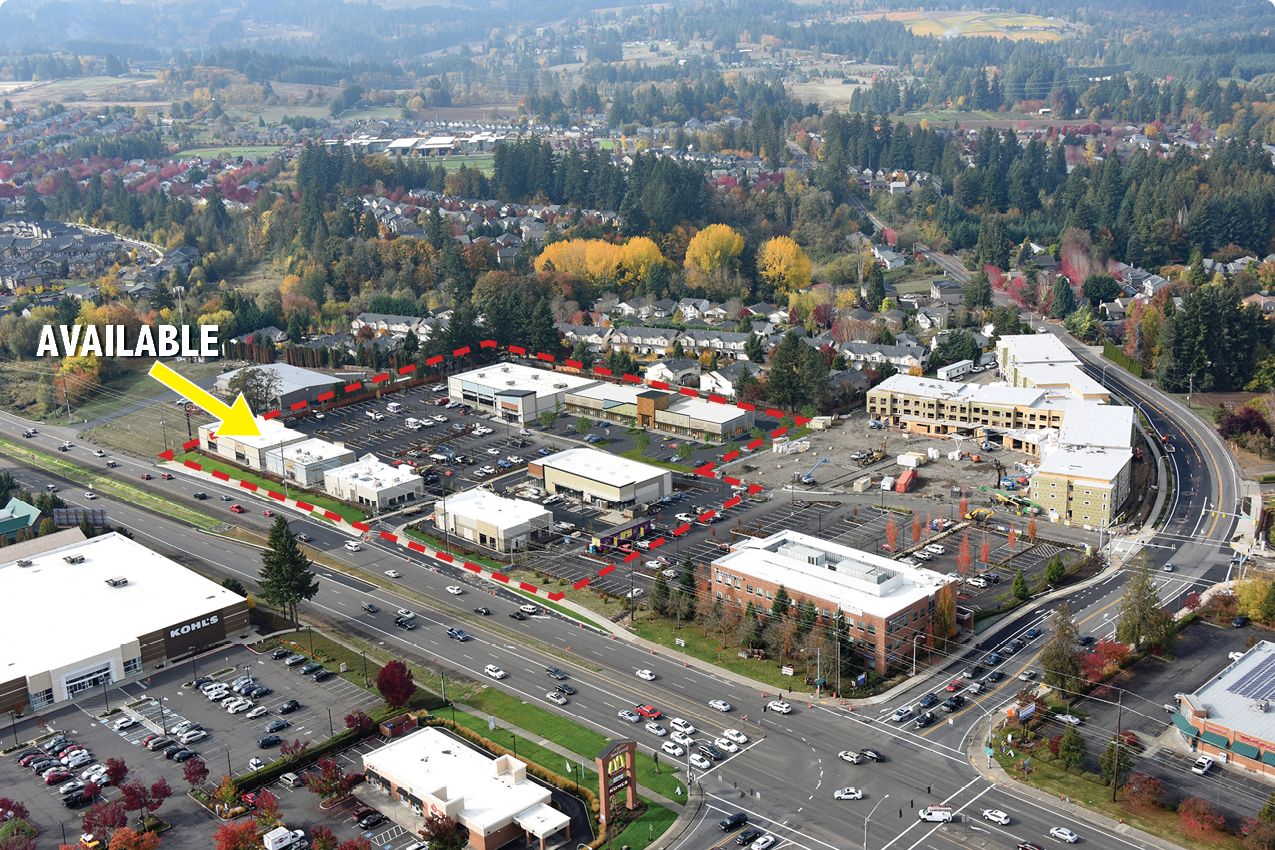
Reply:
x=936, y=814
x=375, y=415
x=413, y=424
x=394, y=407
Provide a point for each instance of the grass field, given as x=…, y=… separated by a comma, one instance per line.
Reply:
x=215, y=152
x=707, y=648
x=607, y=609
x=948, y=115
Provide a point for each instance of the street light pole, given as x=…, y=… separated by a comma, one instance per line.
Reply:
x=13, y=724
x=869, y=818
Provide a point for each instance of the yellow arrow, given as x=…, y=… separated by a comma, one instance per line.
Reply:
x=236, y=420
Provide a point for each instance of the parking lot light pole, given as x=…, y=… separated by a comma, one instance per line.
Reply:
x=514, y=738
x=13, y=724
x=105, y=695
x=331, y=728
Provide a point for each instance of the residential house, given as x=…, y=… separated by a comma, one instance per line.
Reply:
x=947, y=290
x=723, y=342
x=385, y=323
x=662, y=309
x=271, y=333
x=722, y=381
x=643, y=340
x=932, y=318
x=692, y=309
x=716, y=315
x=675, y=370
x=871, y=355
x=594, y=337
x=1261, y=299
x=774, y=315
x=858, y=382
x=888, y=258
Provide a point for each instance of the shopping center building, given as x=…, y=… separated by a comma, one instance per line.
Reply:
x=1232, y=718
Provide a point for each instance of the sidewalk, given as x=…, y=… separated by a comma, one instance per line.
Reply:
x=997, y=774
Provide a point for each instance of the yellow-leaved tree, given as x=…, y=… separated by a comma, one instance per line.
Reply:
x=641, y=254
x=783, y=265
x=589, y=259
x=713, y=248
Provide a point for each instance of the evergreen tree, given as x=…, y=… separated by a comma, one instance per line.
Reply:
x=86, y=526
x=1071, y=749
x=1139, y=604
x=1267, y=814
x=1019, y=587
x=779, y=607
x=1116, y=762
x=978, y=291
x=660, y=594
x=286, y=578
x=1060, y=657
x=753, y=349
x=687, y=588
x=1064, y=300
x=541, y=335
x=162, y=297
x=876, y=287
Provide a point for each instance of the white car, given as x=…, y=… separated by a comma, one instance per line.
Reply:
x=901, y=714
x=1069, y=719
x=654, y=565
x=217, y=693
x=259, y=711
x=700, y=763
x=73, y=785
x=192, y=737
x=680, y=725
x=255, y=764
x=529, y=609
x=852, y=756
x=79, y=759
x=628, y=716
x=996, y=816
x=240, y=706
x=726, y=745
x=848, y=794
x=99, y=453
x=92, y=772
x=647, y=675
x=672, y=749
x=719, y=704
x=656, y=729
x=90, y=495
x=935, y=549
x=123, y=723
x=1202, y=765
x=779, y=706
x=495, y=452
x=735, y=735
x=556, y=698
x=494, y=671
x=683, y=739
x=764, y=843
x=439, y=418
x=1062, y=833
x=393, y=574
x=454, y=590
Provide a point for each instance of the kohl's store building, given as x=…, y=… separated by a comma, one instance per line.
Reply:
x=139, y=610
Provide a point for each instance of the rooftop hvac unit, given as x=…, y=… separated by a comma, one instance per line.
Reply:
x=118, y=581
x=559, y=386
x=74, y=559
x=504, y=368
x=482, y=374
x=25, y=562
x=510, y=383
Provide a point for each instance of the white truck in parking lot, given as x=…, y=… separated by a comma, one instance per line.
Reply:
x=281, y=837
x=413, y=424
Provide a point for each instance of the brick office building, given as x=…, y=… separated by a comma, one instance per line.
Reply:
x=890, y=608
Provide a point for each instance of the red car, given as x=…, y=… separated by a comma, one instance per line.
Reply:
x=237, y=508
x=56, y=777
x=166, y=477
x=267, y=512
x=955, y=685
x=650, y=712
x=146, y=476
x=250, y=799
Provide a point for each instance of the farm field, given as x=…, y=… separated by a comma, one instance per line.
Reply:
x=999, y=24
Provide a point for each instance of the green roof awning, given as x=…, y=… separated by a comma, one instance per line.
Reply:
x=1184, y=725
x=1247, y=750
x=1268, y=757
x=1215, y=739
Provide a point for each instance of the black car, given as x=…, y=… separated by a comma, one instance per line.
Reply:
x=74, y=800
x=307, y=669
x=995, y=676
x=564, y=688
x=735, y=821
x=518, y=615
x=185, y=755
x=200, y=682
x=404, y=624
x=924, y=720
x=709, y=751
x=1087, y=640
x=872, y=754
x=1239, y=622
x=1032, y=633
x=484, y=610
x=278, y=725
x=371, y=820
x=323, y=675
x=953, y=703
x=748, y=836
x=170, y=752
x=201, y=496
x=927, y=701
x=280, y=653
x=259, y=692
x=289, y=707
x=555, y=673
x=992, y=660
x=268, y=741
x=370, y=608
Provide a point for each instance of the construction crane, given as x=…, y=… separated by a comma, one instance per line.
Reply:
x=809, y=478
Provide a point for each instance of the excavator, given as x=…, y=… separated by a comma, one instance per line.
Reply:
x=874, y=455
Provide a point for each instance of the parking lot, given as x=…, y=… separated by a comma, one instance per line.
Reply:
x=162, y=702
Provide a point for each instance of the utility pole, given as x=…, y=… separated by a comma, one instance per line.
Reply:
x=1115, y=773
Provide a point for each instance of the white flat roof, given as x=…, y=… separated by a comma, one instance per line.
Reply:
x=373, y=473
x=603, y=467
x=273, y=433
x=854, y=580
x=1231, y=696
x=159, y=593
x=313, y=450
x=1062, y=374
x=500, y=511
x=1036, y=348
x=705, y=411
x=499, y=377
x=1090, y=462
x=429, y=762
x=913, y=385
x=1105, y=425
x=292, y=378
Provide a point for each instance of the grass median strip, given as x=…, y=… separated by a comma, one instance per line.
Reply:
x=348, y=513
x=89, y=478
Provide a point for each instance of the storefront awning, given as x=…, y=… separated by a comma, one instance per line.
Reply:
x=1184, y=725
x=1268, y=758
x=1215, y=739
x=1247, y=750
